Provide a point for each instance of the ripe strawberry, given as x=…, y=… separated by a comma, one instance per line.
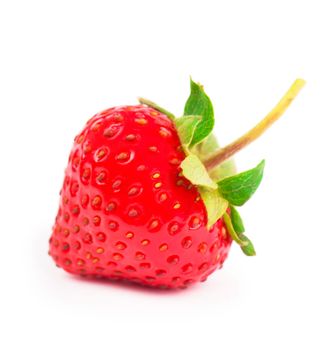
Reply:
x=132, y=208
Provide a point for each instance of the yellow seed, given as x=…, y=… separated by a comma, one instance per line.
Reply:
x=153, y=224
x=133, y=191
x=163, y=247
x=122, y=156
x=96, y=127
x=66, y=232
x=80, y=139
x=80, y=262
x=141, y=168
x=95, y=260
x=116, y=184
x=117, y=256
x=130, y=137
x=156, y=175
x=195, y=221
x=96, y=201
x=176, y=206
x=85, y=221
x=86, y=173
x=129, y=235
x=88, y=255
x=145, y=242
x=86, y=148
x=174, y=161
x=153, y=148
x=96, y=220
x=153, y=113
x=163, y=133
x=141, y=121
x=118, y=118
x=158, y=184
x=163, y=197
x=100, y=177
x=139, y=256
x=101, y=153
x=224, y=232
x=100, y=250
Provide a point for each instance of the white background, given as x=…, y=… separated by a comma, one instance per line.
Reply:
x=63, y=61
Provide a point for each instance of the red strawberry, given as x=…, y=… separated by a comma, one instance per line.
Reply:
x=128, y=210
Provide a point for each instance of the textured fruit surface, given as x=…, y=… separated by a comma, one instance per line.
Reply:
x=125, y=210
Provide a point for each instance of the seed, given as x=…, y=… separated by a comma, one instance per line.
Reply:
x=188, y=268
x=141, y=168
x=163, y=196
x=130, y=137
x=164, y=132
x=187, y=242
x=174, y=161
x=145, y=242
x=129, y=235
x=139, y=256
x=117, y=256
x=153, y=224
x=121, y=246
x=110, y=207
x=163, y=247
x=133, y=213
x=141, y=121
x=122, y=156
x=173, y=259
x=80, y=262
x=99, y=250
x=101, y=236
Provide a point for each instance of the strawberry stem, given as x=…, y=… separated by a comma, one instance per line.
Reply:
x=152, y=104
x=226, y=152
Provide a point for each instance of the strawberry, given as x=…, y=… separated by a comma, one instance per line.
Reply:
x=150, y=199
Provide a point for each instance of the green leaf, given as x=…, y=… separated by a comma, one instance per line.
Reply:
x=199, y=103
x=236, y=220
x=186, y=126
x=239, y=228
x=247, y=249
x=239, y=188
x=245, y=244
x=207, y=147
x=215, y=205
x=195, y=171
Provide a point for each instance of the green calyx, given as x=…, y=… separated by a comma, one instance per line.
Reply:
x=211, y=168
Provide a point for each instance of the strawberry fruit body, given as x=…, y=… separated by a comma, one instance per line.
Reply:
x=126, y=212
x=150, y=198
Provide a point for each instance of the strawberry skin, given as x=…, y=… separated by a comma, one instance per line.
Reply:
x=125, y=210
